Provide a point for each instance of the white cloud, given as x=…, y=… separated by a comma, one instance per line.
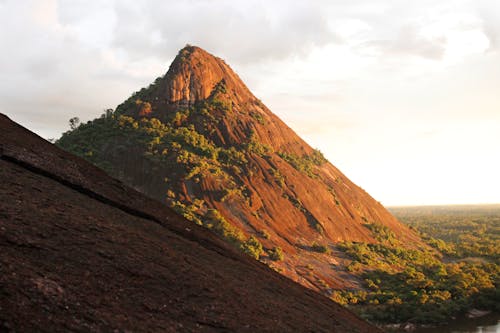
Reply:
x=362, y=80
x=246, y=32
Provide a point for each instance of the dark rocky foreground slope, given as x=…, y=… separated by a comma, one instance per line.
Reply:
x=79, y=251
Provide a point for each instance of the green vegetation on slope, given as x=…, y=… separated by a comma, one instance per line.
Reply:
x=179, y=149
x=305, y=163
x=420, y=286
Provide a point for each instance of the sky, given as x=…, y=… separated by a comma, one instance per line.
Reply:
x=402, y=96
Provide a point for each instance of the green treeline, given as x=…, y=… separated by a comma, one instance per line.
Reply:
x=422, y=285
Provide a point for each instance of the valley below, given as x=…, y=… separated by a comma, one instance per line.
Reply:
x=468, y=237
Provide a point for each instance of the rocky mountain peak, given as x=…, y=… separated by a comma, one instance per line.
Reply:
x=198, y=140
x=195, y=73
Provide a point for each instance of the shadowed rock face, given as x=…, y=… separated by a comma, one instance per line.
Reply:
x=286, y=190
x=82, y=252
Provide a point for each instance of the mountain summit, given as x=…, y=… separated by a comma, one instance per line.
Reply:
x=198, y=140
x=193, y=75
x=196, y=76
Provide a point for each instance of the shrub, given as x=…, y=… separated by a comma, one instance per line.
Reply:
x=257, y=147
x=257, y=116
x=320, y=248
x=252, y=247
x=278, y=177
x=264, y=234
x=276, y=254
x=215, y=221
x=303, y=163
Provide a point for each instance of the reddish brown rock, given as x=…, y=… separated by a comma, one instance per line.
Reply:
x=82, y=252
x=337, y=208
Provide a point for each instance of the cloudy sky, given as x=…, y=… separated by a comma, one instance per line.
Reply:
x=402, y=96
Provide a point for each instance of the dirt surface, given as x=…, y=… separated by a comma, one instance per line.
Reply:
x=79, y=251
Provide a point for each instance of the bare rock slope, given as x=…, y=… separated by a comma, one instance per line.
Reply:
x=82, y=252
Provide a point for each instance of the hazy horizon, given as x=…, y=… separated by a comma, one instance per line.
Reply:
x=477, y=205
x=401, y=97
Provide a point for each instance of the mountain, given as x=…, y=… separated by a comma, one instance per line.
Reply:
x=82, y=252
x=200, y=141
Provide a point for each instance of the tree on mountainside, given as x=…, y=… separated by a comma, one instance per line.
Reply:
x=74, y=122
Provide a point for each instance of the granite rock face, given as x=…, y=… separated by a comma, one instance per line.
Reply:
x=80, y=251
